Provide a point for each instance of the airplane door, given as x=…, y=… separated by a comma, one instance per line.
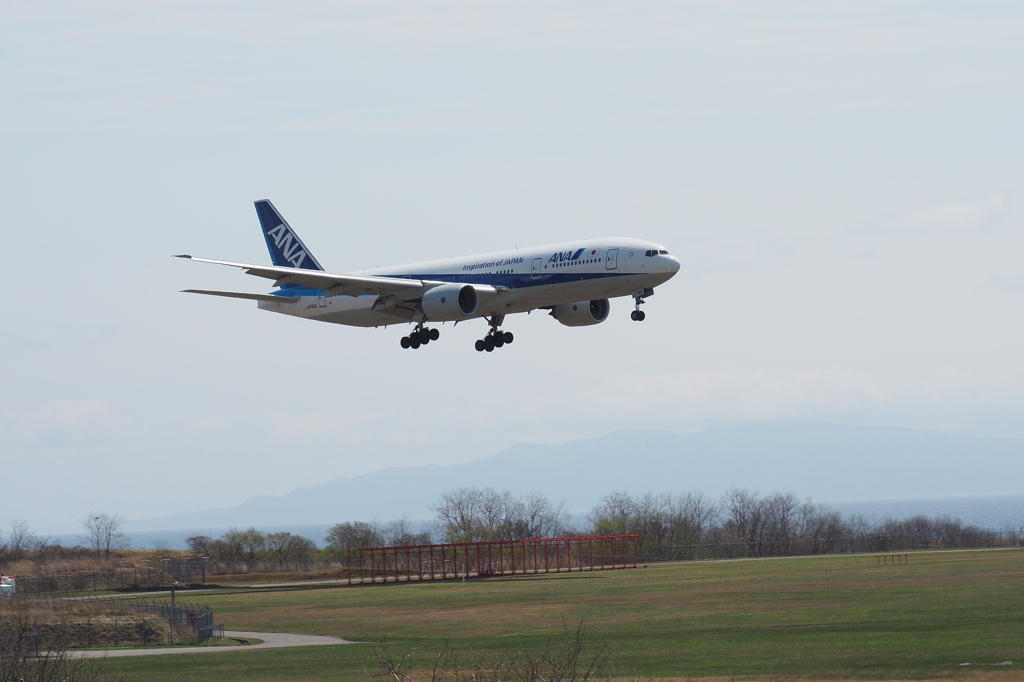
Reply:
x=321, y=301
x=612, y=260
x=535, y=268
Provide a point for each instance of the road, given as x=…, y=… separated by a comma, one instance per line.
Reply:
x=271, y=640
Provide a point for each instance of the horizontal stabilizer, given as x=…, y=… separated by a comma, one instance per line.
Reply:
x=239, y=294
x=348, y=285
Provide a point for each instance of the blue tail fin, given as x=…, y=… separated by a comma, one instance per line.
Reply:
x=286, y=249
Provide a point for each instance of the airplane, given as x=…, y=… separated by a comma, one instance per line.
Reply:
x=572, y=280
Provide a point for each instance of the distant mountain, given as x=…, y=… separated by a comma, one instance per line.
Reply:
x=823, y=461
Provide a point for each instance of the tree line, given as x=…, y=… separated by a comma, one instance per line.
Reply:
x=671, y=526
x=102, y=535
x=690, y=525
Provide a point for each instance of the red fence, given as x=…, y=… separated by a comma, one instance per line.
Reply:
x=492, y=558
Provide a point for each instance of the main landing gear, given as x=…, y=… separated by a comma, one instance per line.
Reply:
x=420, y=336
x=495, y=337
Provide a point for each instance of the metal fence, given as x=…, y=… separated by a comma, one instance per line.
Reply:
x=589, y=553
x=91, y=581
x=491, y=558
x=180, y=616
x=185, y=571
x=190, y=571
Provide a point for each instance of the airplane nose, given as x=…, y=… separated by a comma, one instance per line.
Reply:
x=672, y=264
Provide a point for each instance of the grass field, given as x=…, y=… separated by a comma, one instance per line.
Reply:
x=841, y=617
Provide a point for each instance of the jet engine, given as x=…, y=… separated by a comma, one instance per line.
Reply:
x=448, y=302
x=582, y=313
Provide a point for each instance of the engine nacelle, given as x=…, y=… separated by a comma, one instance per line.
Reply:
x=582, y=313
x=449, y=302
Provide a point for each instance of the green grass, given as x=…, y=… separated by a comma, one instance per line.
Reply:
x=838, y=617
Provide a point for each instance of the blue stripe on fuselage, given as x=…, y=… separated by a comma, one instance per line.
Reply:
x=520, y=280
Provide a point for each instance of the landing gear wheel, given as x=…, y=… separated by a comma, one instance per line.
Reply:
x=479, y=345
x=495, y=338
x=420, y=336
x=639, y=295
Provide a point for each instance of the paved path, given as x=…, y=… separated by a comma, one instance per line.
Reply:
x=271, y=640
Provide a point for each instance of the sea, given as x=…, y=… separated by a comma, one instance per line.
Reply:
x=999, y=513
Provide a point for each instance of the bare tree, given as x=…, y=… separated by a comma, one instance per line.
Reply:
x=343, y=537
x=613, y=514
x=288, y=547
x=460, y=513
x=400, y=532
x=20, y=539
x=104, y=532
x=238, y=545
x=671, y=526
x=534, y=516
x=476, y=514
x=780, y=524
x=821, y=529
x=200, y=544
x=745, y=520
x=228, y=547
x=253, y=543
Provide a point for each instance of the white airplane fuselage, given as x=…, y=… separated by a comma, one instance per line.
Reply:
x=573, y=280
x=531, y=278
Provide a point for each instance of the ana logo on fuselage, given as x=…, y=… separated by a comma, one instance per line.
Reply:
x=564, y=256
x=288, y=244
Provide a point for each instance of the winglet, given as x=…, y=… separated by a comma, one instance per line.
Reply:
x=183, y=255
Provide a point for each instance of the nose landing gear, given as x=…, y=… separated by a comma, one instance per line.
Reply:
x=420, y=336
x=639, y=295
x=495, y=337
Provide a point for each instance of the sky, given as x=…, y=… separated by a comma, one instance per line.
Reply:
x=842, y=182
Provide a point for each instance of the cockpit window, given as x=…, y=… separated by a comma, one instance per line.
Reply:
x=651, y=252
x=663, y=251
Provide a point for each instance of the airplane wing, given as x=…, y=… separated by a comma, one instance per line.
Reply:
x=239, y=294
x=347, y=285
